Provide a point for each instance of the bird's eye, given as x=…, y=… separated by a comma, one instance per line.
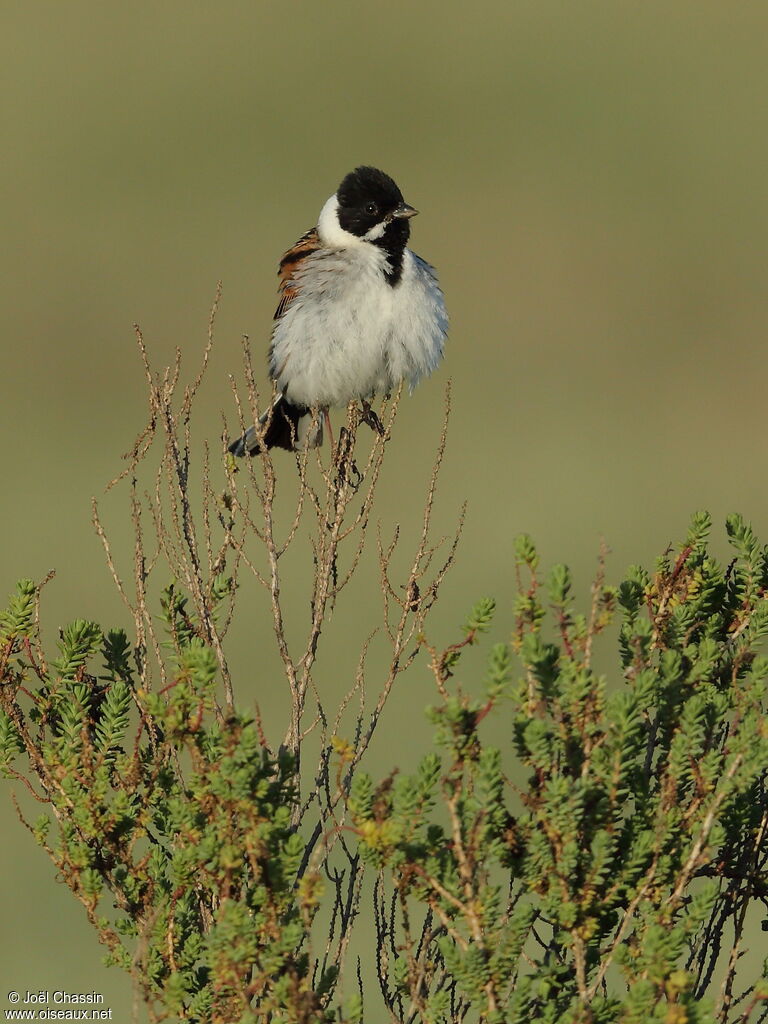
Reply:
x=371, y=209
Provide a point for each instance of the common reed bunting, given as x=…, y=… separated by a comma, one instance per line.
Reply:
x=359, y=312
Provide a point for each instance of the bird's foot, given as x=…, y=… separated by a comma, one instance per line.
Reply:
x=369, y=416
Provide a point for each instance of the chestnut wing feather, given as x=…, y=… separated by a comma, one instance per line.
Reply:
x=290, y=264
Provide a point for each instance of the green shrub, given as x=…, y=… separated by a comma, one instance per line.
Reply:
x=607, y=862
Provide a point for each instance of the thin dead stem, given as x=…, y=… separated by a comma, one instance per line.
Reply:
x=206, y=538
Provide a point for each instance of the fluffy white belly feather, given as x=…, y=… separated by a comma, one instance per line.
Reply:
x=349, y=333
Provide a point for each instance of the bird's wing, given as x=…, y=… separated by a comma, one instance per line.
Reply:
x=290, y=265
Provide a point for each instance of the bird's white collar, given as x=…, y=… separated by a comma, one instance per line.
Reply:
x=333, y=234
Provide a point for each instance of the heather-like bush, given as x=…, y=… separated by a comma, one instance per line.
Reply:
x=606, y=862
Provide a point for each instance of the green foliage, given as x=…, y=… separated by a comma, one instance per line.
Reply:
x=17, y=619
x=178, y=819
x=10, y=743
x=596, y=867
x=481, y=616
x=603, y=890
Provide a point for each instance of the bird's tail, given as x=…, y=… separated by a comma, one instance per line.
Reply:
x=282, y=426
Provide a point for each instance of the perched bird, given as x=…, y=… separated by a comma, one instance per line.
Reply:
x=359, y=313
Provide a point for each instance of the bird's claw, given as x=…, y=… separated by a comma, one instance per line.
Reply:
x=369, y=416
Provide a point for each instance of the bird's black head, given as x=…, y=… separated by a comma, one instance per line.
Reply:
x=369, y=199
x=371, y=206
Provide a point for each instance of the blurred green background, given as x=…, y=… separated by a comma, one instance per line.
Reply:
x=592, y=181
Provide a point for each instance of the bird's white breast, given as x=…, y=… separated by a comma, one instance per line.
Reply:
x=349, y=333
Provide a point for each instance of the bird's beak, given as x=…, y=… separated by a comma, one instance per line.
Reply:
x=404, y=211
